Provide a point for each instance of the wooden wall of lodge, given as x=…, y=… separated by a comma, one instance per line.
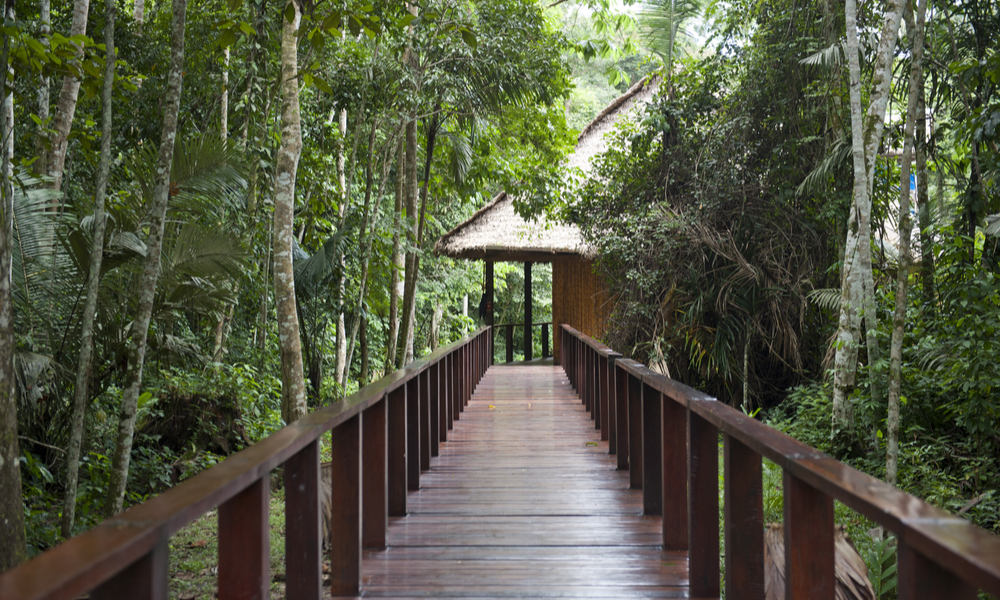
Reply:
x=578, y=298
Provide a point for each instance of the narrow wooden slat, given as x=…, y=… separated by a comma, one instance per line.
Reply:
x=703, y=507
x=345, y=509
x=413, y=402
x=621, y=408
x=744, y=521
x=397, y=448
x=244, y=545
x=652, y=452
x=439, y=414
x=808, y=542
x=509, y=341
x=145, y=579
x=545, y=340
x=303, y=531
x=675, y=476
x=374, y=481
x=425, y=420
x=922, y=579
x=635, y=432
x=609, y=374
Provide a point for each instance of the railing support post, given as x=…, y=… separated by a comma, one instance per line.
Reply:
x=244, y=544
x=652, y=452
x=602, y=394
x=744, y=520
x=808, y=542
x=923, y=579
x=397, y=448
x=426, y=401
x=374, y=492
x=509, y=342
x=413, y=402
x=675, y=475
x=635, y=432
x=703, y=507
x=145, y=579
x=303, y=531
x=545, y=340
x=439, y=408
x=345, y=509
x=621, y=407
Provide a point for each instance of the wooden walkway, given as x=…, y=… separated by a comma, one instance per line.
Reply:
x=524, y=501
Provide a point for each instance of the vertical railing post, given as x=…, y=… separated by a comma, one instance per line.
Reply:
x=459, y=381
x=923, y=579
x=621, y=407
x=423, y=382
x=545, y=340
x=413, y=438
x=602, y=394
x=439, y=406
x=374, y=482
x=244, y=544
x=612, y=403
x=744, y=520
x=585, y=380
x=675, y=475
x=703, y=507
x=145, y=579
x=509, y=342
x=345, y=508
x=652, y=452
x=809, y=559
x=635, y=432
x=397, y=449
x=303, y=531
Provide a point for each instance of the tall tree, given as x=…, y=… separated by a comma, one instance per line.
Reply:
x=151, y=268
x=916, y=34
x=12, y=540
x=83, y=371
x=293, y=389
x=55, y=162
x=857, y=284
x=44, y=30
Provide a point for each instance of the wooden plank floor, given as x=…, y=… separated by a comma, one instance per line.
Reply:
x=524, y=501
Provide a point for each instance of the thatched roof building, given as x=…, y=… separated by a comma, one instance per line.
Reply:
x=497, y=233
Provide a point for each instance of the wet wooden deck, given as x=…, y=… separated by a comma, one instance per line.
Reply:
x=524, y=501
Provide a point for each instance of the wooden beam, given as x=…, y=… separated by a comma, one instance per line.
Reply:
x=527, y=311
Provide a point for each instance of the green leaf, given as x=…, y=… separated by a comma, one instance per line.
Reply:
x=469, y=38
x=407, y=19
x=247, y=29
x=318, y=40
x=290, y=13
x=227, y=39
x=322, y=85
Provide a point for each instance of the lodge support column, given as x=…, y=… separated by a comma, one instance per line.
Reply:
x=527, y=311
x=488, y=317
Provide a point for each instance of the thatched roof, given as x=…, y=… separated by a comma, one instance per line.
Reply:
x=497, y=232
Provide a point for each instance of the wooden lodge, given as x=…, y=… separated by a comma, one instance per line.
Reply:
x=497, y=233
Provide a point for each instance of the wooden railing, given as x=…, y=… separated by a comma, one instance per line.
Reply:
x=508, y=329
x=667, y=433
x=382, y=438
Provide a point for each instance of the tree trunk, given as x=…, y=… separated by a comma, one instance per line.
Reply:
x=905, y=225
x=293, y=391
x=923, y=203
x=13, y=548
x=341, y=352
x=364, y=352
x=83, y=371
x=410, y=275
x=436, y=323
x=151, y=269
x=41, y=140
x=66, y=107
x=139, y=13
x=397, y=264
x=857, y=282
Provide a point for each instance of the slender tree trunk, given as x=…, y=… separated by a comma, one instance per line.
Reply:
x=341, y=352
x=857, y=283
x=397, y=264
x=923, y=202
x=151, y=269
x=293, y=391
x=81, y=391
x=221, y=328
x=42, y=140
x=13, y=548
x=66, y=107
x=364, y=351
x=436, y=323
x=139, y=13
x=410, y=276
x=905, y=225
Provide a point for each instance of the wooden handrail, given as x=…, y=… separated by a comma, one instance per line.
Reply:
x=126, y=555
x=666, y=434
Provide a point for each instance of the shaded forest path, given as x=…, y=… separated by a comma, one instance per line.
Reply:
x=524, y=501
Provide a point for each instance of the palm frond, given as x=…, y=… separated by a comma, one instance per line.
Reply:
x=831, y=56
x=840, y=151
x=661, y=25
x=826, y=298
